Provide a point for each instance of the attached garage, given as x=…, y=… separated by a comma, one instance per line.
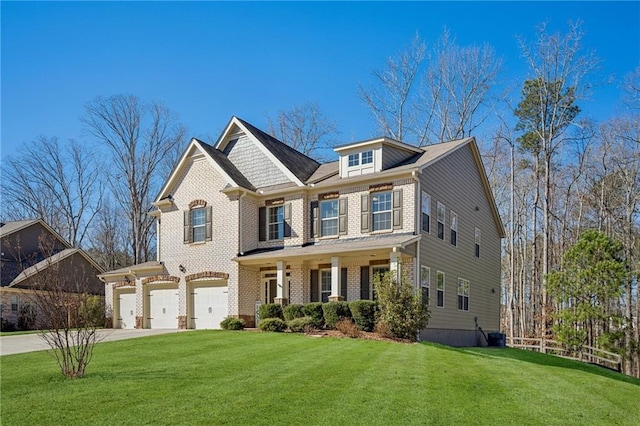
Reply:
x=162, y=306
x=125, y=307
x=208, y=304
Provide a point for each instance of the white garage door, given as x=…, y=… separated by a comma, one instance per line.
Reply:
x=163, y=308
x=127, y=310
x=209, y=306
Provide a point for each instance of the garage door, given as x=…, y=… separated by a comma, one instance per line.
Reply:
x=126, y=310
x=209, y=306
x=163, y=308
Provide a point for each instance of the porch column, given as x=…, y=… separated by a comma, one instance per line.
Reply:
x=394, y=264
x=335, y=280
x=281, y=288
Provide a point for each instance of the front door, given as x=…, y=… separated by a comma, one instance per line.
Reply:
x=270, y=290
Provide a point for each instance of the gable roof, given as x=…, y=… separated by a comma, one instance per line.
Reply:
x=52, y=260
x=298, y=163
x=226, y=165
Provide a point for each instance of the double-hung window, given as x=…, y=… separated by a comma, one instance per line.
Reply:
x=426, y=212
x=441, y=217
x=325, y=285
x=367, y=157
x=454, y=229
x=198, y=222
x=329, y=217
x=477, y=238
x=276, y=222
x=354, y=160
x=381, y=210
x=440, y=290
x=425, y=282
x=463, y=294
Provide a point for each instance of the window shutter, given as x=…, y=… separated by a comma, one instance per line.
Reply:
x=364, y=282
x=314, y=286
x=343, y=283
x=315, y=228
x=187, y=226
x=364, y=213
x=208, y=224
x=397, y=209
x=262, y=224
x=287, y=220
x=343, y=223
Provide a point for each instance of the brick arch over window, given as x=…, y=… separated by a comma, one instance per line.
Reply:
x=160, y=279
x=207, y=274
x=123, y=284
x=197, y=203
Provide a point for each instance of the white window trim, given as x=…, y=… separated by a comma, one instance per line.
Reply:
x=362, y=157
x=422, y=205
x=374, y=213
x=321, y=291
x=194, y=227
x=461, y=286
x=453, y=226
x=428, y=280
x=444, y=284
x=280, y=224
x=441, y=208
x=356, y=157
x=336, y=218
x=477, y=237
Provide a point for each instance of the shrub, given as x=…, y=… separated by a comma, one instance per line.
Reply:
x=92, y=311
x=300, y=325
x=364, y=314
x=27, y=317
x=401, y=307
x=314, y=310
x=272, y=324
x=270, y=310
x=334, y=312
x=6, y=325
x=232, y=324
x=347, y=327
x=292, y=311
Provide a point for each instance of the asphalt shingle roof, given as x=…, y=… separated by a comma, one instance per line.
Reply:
x=226, y=165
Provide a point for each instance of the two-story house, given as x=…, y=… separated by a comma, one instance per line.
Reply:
x=251, y=220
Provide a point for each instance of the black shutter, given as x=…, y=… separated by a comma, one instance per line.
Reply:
x=343, y=223
x=365, y=226
x=343, y=283
x=315, y=229
x=262, y=224
x=314, y=286
x=187, y=226
x=397, y=209
x=287, y=220
x=364, y=282
x=208, y=224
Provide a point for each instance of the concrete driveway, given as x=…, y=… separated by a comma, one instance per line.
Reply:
x=33, y=342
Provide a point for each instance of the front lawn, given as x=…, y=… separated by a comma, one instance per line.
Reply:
x=242, y=378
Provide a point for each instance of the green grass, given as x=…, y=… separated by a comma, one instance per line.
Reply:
x=239, y=378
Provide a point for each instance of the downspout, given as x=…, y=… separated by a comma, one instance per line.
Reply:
x=240, y=245
x=158, y=242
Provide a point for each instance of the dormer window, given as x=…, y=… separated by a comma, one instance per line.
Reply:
x=354, y=160
x=367, y=157
x=359, y=158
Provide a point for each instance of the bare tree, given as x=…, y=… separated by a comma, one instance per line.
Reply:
x=304, y=128
x=108, y=241
x=57, y=182
x=139, y=137
x=391, y=99
x=430, y=95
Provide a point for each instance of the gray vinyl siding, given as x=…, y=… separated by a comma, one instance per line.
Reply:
x=455, y=182
x=255, y=165
x=393, y=156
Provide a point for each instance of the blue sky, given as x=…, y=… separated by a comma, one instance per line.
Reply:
x=210, y=60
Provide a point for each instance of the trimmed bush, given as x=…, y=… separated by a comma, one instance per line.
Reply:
x=314, y=310
x=270, y=310
x=364, y=314
x=272, y=324
x=334, y=312
x=301, y=325
x=347, y=327
x=232, y=324
x=293, y=311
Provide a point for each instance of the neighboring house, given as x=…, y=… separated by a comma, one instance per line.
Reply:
x=29, y=247
x=251, y=220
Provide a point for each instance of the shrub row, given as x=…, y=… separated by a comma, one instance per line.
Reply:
x=302, y=317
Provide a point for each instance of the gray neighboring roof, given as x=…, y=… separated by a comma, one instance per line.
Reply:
x=43, y=264
x=323, y=247
x=226, y=165
x=8, y=228
x=325, y=171
x=298, y=163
